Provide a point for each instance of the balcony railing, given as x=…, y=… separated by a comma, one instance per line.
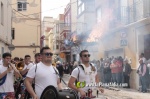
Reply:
x=129, y=14
x=65, y=26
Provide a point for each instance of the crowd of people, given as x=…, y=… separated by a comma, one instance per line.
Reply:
x=21, y=78
x=118, y=70
x=13, y=87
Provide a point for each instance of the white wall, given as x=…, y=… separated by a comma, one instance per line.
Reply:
x=73, y=15
x=5, y=29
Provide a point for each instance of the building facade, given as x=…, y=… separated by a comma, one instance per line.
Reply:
x=126, y=31
x=27, y=27
x=65, y=34
x=48, y=24
x=84, y=24
x=58, y=27
x=73, y=27
x=5, y=25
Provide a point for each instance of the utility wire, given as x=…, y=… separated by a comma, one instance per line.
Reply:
x=46, y=10
x=34, y=19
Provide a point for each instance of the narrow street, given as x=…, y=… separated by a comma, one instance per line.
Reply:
x=121, y=94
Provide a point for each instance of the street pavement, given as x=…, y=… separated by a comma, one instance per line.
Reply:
x=123, y=93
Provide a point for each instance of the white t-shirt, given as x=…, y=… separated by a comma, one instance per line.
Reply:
x=44, y=76
x=144, y=59
x=8, y=85
x=87, y=75
x=1, y=62
x=28, y=66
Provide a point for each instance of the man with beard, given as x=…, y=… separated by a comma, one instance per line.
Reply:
x=37, y=58
x=84, y=73
x=43, y=73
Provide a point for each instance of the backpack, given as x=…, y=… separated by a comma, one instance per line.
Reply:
x=92, y=69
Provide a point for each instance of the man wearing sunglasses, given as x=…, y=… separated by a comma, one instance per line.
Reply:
x=87, y=73
x=43, y=74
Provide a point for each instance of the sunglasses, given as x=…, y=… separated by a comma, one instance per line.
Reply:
x=86, y=55
x=48, y=54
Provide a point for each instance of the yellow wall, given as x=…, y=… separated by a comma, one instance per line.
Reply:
x=27, y=29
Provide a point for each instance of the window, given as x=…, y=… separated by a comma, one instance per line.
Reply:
x=66, y=20
x=81, y=8
x=57, y=46
x=13, y=33
x=69, y=19
x=79, y=2
x=22, y=5
x=2, y=13
x=99, y=15
x=57, y=28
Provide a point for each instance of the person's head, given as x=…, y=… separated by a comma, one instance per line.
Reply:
x=6, y=58
x=46, y=54
x=27, y=59
x=58, y=62
x=141, y=55
x=75, y=63
x=21, y=59
x=114, y=61
x=16, y=59
x=37, y=57
x=84, y=56
x=141, y=61
x=125, y=61
x=101, y=59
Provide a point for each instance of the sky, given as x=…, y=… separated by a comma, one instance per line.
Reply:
x=48, y=5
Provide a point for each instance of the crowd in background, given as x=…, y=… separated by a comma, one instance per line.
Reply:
x=113, y=70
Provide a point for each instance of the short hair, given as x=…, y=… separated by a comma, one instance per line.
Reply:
x=44, y=48
x=16, y=58
x=21, y=59
x=37, y=54
x=27, y=56
x=142, y=54
x=6, y=55
x=83, y=52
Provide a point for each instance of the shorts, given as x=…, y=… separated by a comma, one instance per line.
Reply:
x=7, y=95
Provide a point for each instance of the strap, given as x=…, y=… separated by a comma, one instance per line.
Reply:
x=82, y=67
x=92, y=67
x=35, y=72
x=2, y=80
x=77, y=77
x=33, y=84
x=24, y=75
x=59, y=76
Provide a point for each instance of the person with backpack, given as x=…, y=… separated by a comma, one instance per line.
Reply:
x=84, y=73
x=43, y=74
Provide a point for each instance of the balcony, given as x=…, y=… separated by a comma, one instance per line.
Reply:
x=64, y=49
x=128, y=14
x=65, y=28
